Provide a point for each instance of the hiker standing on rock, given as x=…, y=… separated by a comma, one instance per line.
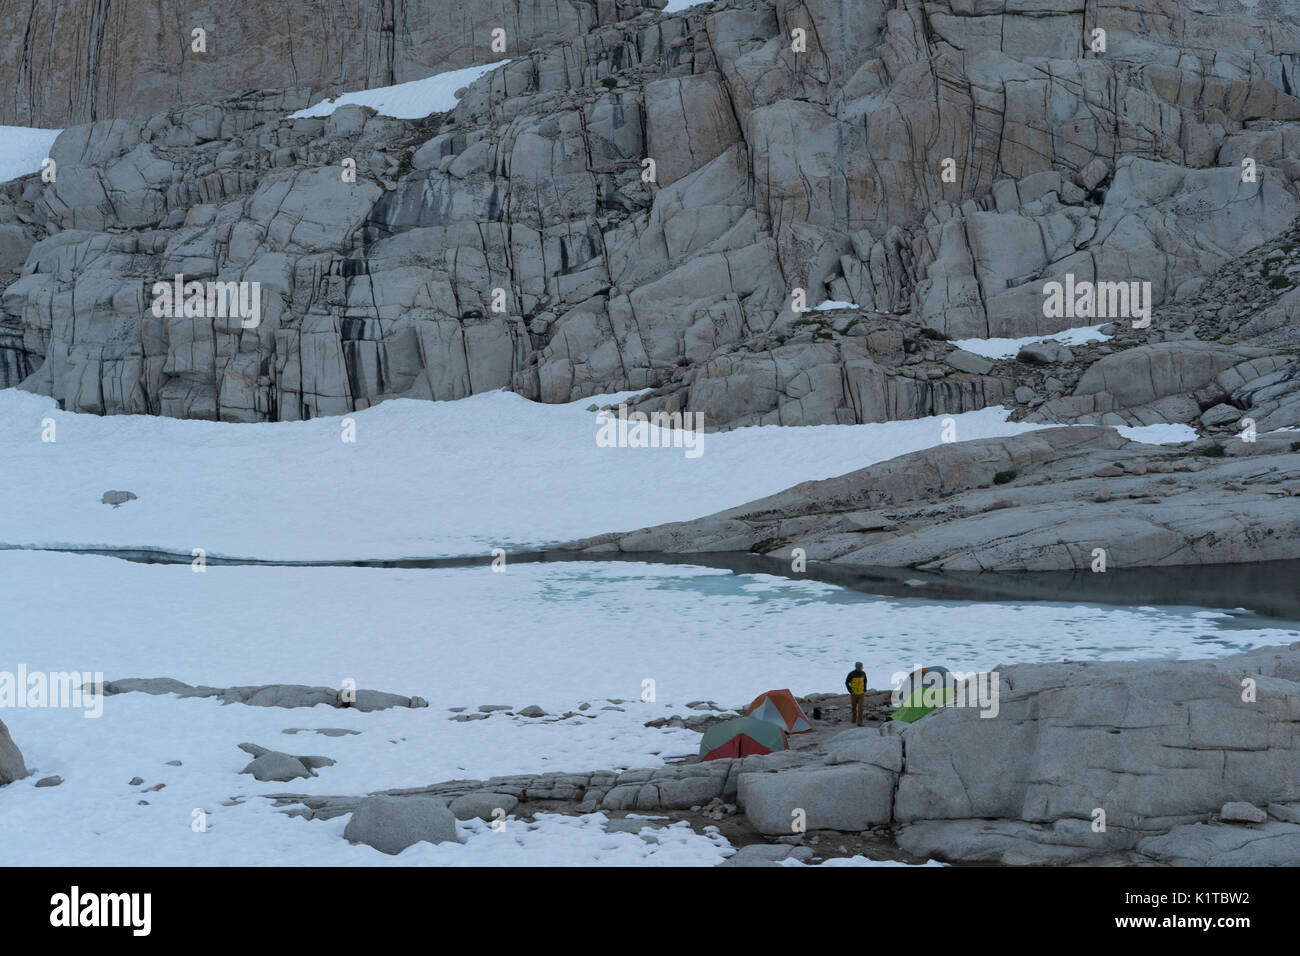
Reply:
x=856, y=683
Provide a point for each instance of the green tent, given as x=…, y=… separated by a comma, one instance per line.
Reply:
x=741, y=737
x=915, y=707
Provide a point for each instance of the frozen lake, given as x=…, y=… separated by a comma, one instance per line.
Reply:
x=442, y=480
x=553, y=634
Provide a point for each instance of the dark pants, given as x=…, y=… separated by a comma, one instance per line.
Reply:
x=858, y=700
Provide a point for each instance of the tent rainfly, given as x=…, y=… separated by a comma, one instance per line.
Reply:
x=923, y=691
x=741, y=737
x=779, y=707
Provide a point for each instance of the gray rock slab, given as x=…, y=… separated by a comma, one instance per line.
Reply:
x=483, y=805
x=391, y=824
x=851, y=798
x=274, y=766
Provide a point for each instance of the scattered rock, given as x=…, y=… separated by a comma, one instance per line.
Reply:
x=1044, y=353
x=1242, y=812
x=323, y=731
x=964, y=361
x=766, y=854
x=391, y=824
x=482, y=805
x=869, y=521
x=275, y=766
x=628, y=825
x=265, y=695
x=1220, y=415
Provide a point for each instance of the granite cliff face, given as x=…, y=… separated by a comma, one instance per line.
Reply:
x=934, y=164
x=67, y=62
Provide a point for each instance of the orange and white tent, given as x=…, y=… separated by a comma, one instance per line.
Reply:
x=779, y=707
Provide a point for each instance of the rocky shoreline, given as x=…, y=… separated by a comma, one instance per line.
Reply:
x=1152, y=763
x=1039, y=501
x=1162, y=763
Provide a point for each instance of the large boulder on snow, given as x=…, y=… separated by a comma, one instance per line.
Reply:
x=391, y=824
x=12, y=766
x=277, y=767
